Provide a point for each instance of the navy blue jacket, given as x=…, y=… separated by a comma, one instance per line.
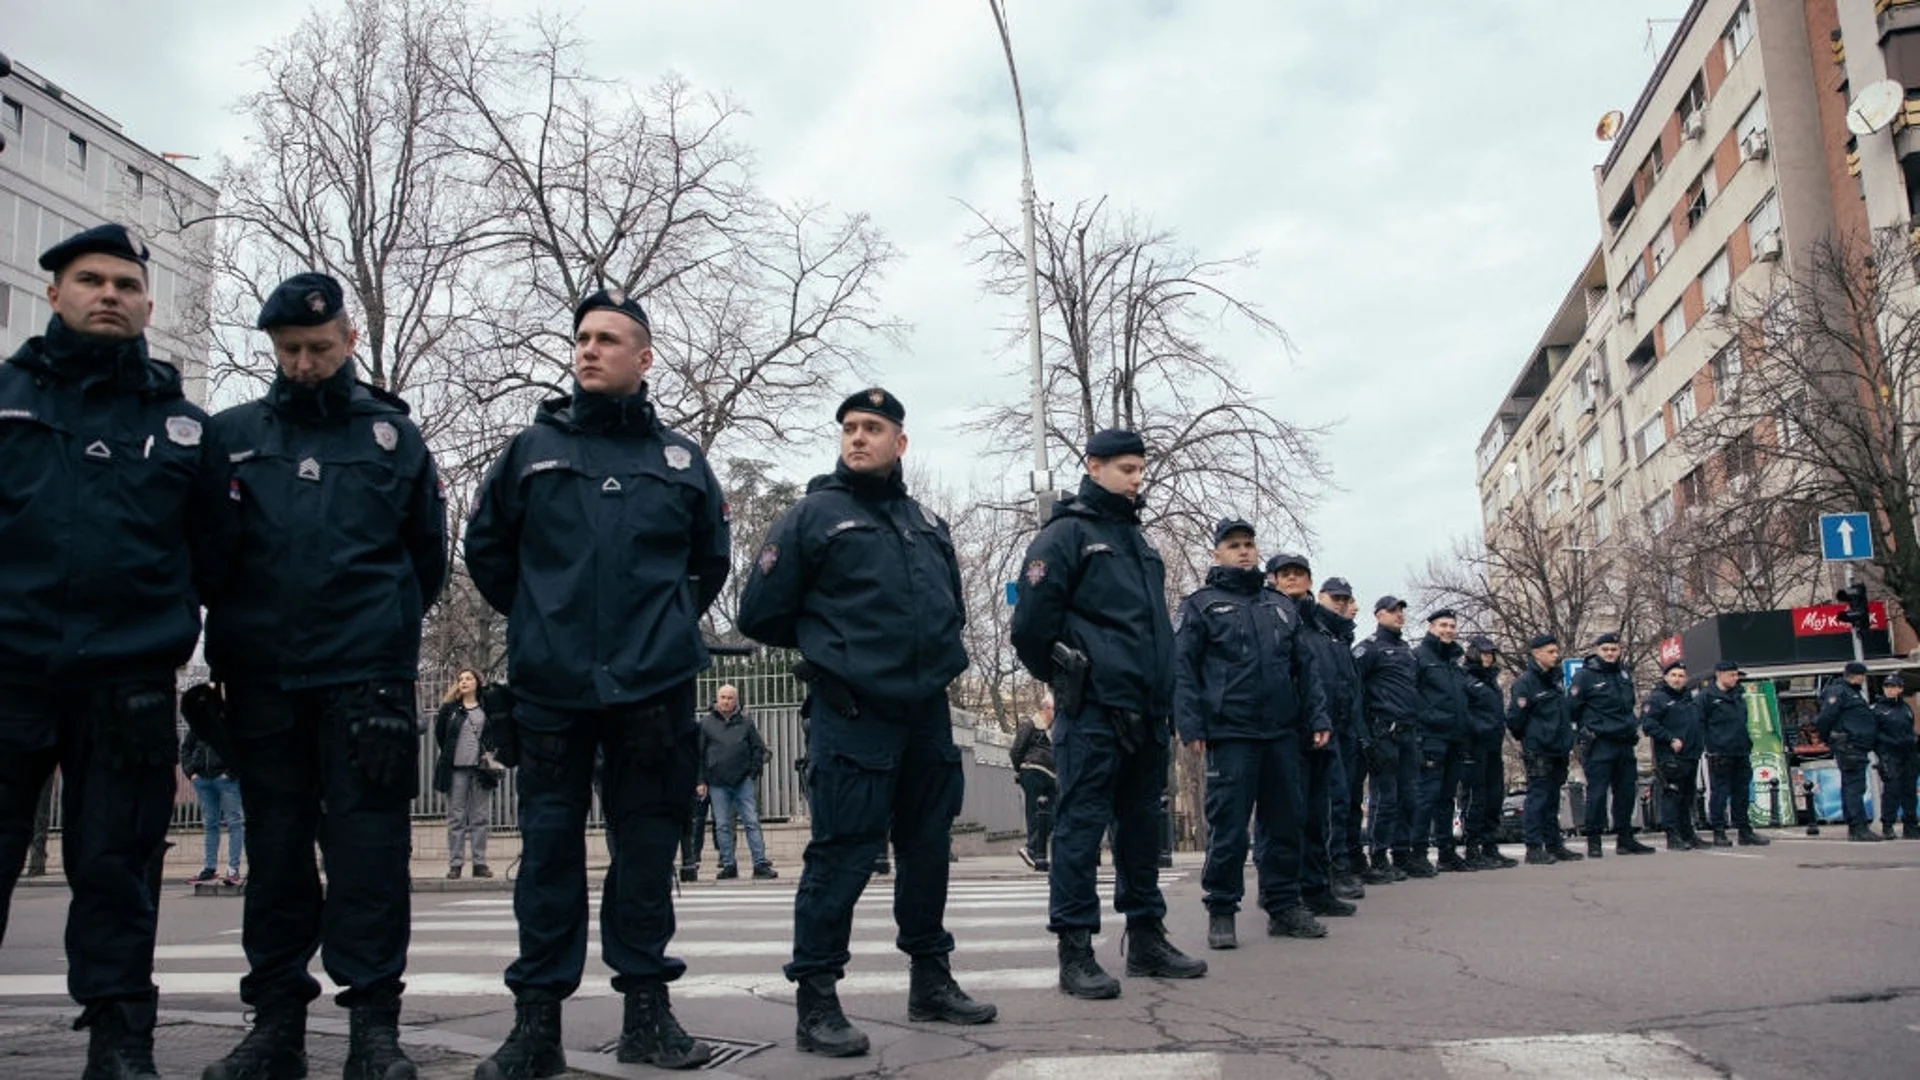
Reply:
x=113, y=517
x=1602, y=702
x=1443, y=692
x=1669, y=714
x=1091, y=580
x=1896, y=726
x=1844, y=708
x=1724, y=716
x=1330, y=636
x=1486, y=714
x=863, y=581
x=342, y=537
x=1389, y=683
x=602, y=537
x=1243, y=666
x=1538, y=714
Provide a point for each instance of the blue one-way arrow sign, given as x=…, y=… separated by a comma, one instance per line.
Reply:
x=1845, y=537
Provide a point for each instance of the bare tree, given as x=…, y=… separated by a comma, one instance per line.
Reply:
x=1126, y=312
x=756, y=497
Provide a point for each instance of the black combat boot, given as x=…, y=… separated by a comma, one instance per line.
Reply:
x=1720, y=838
x=373, y=1040
x=1491, y=852
x=275, y=1048
x=1414, y=864
x=1477, y=860
x=933, y=995
x=1594, y=846
x=1151, y=955
x=689, y=873
x=1325, y=903
x=533, y=1047
x=1909, y=830
x=1537, y=856
x=119, y=1039
x=1863, y=834
x=1627, y=844
x=823, y=1027
x=650, y=1035
x=1562, y=853
x=1295, y=921
x=1080, y=974
x=1220, y=933
x=1886, y=830
x=1346, y=886
x=1749, y=838
x=1451, y=862
x=1677, y=841
x=1379, y=871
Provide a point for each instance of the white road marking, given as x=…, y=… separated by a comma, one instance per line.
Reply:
x=1656, y=1056
x=1113, y=1067
x=686, y=949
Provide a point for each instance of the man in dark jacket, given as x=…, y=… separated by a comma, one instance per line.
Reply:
x=1723, y=716
x=316, y=644
x=1323, y=773
x=863, y=581
x=732, y=755
x=1849, y=725
x=1092, y=622
x=1331, y=620
x=1671, y=718
x=1895, y=746
x=1443, y=738
x=1483, y=782
x=1032, y=758
x=113, y=521
x=1244, y=690
x=1601, y=706
x=602, y=536
x=1537, y=716
x=1390, y=690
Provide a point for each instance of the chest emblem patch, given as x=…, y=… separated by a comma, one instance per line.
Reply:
x=183, y=431
x=310, y=470
x=678, y=457
x=386, y=435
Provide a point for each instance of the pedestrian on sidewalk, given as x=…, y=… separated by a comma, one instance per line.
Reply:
x=732, y=757
x=219, y=793
x=465, y=772
x=602, y=536
x=863, y=581
x=1032, y=758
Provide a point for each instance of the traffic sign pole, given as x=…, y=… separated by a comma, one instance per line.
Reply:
x=1858, y=632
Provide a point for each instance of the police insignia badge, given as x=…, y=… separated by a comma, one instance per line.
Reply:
x=1036, y=572
x=386, y=435
x=317, y=302
x=183, y=431
x=618, y=296
x=768, y=556
x=679, y=457
x=1520, y=701
x=877, y=396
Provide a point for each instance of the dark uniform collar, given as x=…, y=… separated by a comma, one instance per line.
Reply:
x=871, y=486
x=1488, y=675
x=330, y=397
x=1441, y=648
x=1245, y=580
x=1106, y=504
x=1551, y=675
x=609, y=413
x=1603, y=667
x=1388, y=634
x=72, y=355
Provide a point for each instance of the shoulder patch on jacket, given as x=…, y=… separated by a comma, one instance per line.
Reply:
x=1095, y=548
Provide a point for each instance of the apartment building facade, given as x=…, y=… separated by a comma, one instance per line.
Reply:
x=66, y=167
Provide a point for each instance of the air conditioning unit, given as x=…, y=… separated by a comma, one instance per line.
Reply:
x=1767, y=248
x=1694, y=126
x=1716, y=303
x=1596, y=473
x=1754, y=145
x=1626, y=307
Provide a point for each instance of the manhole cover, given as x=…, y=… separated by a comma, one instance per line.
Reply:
x=725, y=1051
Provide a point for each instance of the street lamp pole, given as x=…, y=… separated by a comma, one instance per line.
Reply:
x=1041, y=481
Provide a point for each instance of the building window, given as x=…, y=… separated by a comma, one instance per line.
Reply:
x=12, y=116
x=1751, y=121
x=1726, y=372
x=1693, y=489
x=1673, y=325
x=1603, y=519
x=1787, y=421
x=77, y=153
x=1662, y=246
x=1659, y=513
x=6, y=305
x=1683, y=411
x=1695, y=99
x=1554, y=502
x=1636, y=281
x=1696, y=204
x=1765, y=219
x=1739, y=457
x=1593, y=453
x=136, y=183
x=1651, y=437
x=1716, y=280
x=1739, y=34
x=1573, y=481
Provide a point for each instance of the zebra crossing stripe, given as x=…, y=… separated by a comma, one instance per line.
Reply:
x=1574, y=1057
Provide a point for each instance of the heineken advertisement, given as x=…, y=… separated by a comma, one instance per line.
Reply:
x=1769, y=758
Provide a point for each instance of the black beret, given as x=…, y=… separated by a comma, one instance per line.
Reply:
x=613, y=300
x=1483, y=643
x=1671, y=664
x=110, y=239
x=1608, y=638
x=1894, y=679
x=1855, y=667
x=1726, y=665
x=308, y=299
x=1388, y=602
x=872, y=400
x=1226, y=526
x=1285, y=559
x=1541, y=641
x=1441, y=613
x=1337, y=586
x=1115, y=442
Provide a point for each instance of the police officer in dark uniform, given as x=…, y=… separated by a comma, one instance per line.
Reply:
x=863, y=581
x=113, y=521
x=1483, y=782
x=1671, y=718
x=1601, y=706
x=1092, y=621
x=1899, y=756
x=316, y=645
x=1723, y=715
x=1443, y=738
x=1848, y=724
x=1332, y=622
x=1537, y=715
x=1390, y=690
x=602, y=536
x=1244, y=689
x=1323, y=772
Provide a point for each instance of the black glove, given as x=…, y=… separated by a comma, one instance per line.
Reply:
x=382, y=728
x=501, y=732
x=135, y=729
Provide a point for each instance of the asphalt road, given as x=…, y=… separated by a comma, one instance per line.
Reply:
x=1798, y=960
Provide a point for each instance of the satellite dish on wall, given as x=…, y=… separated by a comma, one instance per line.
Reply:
x=1875, y=106
x=1609, y=126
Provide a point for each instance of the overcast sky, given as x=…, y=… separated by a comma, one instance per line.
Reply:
x=1415, y=178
